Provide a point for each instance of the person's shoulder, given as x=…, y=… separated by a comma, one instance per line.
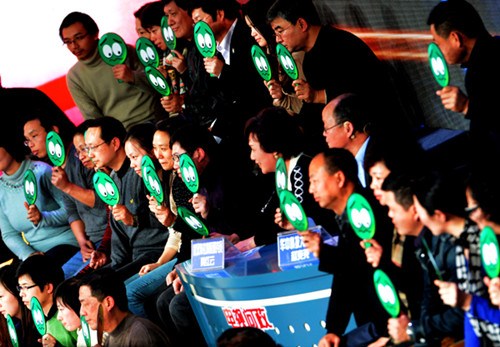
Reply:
x=39, y=167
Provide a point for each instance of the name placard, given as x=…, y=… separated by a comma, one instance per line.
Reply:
x=207, y=254
x=292, y=254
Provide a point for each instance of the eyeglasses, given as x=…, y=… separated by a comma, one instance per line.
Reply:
x=332, y=127
x=176, y=157
x=469, y=210
x=78, y=153
x=77, y=39
x=89, y=149
x=280, y=31
x=21, y=288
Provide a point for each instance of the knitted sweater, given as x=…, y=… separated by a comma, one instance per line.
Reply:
x=53, y=229
x=98, y=93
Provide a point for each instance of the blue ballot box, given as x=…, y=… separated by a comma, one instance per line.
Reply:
x=253, y=290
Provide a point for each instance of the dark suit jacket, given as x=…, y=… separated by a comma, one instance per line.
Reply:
x=240, y=83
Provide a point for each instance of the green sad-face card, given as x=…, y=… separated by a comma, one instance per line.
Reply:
x=192, y=220
x=438, y=65
x=151, y=179
x=146, y=52
x=386, y=293
x=38, y=316
x=293, y=210
x=489, y=252
x=55, y=148
x=261, y=63
x=157, y=80
x=281, y=176
x=112, y=49
x=189, y=173
x=287, y=62
x=106, y=188
x=12, y=331
x=204, y=39
x=168, y=34
x=30, y=187
x=361, y=216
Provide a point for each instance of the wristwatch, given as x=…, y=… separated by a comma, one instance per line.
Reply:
x=410, y=331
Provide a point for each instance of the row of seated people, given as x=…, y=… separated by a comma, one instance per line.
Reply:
x=68, y=215
x=322, y=184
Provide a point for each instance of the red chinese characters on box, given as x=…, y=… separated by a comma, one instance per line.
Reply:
x=247, y=317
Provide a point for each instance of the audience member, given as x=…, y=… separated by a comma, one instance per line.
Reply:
x=137, y=238
x=12, y=305
x=139, y=29
x=87, y=214
x=273, y=134
x=459, y=31
x=280, y=86
x=241, y=86
x=94, y=85
x=139, y=142
x=104, y=305
x=38, y=276
x=68, y=306
x=482, y=207
x=329, y=74
x=203, y=100
x=347, y=125
x=333, y=179
x=42, y=226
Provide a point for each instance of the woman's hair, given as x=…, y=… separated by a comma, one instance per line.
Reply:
x=170, y=125
x=256, y=10
x=276, y=131
x=142, y=134
x=13, y=143
x=67, y=292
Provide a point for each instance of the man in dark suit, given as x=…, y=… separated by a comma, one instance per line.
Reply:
x=232, y=65
x=241, y=87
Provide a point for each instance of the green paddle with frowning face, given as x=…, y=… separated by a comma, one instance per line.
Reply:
x=361, y=217
x=168, y=34
x=30, y=187
x=55, y=148
x=293, y=210
x=151, y=179
x=146, y=52
x=189, y=173
x=386, y=293
x=106, y=188
x=38, y=316
x=261, y=63
x=12, y=331
x=489, y=252
x=192, y=220
x=287, y=62
x=438, y=65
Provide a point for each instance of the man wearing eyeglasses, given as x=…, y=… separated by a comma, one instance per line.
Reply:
x=137, y=238
x=38, y=276
x=95, y=86
x=335, y=62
